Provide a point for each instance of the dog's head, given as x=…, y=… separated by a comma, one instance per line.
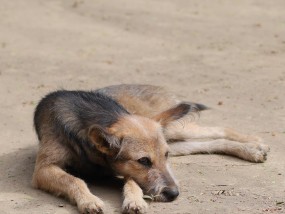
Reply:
x=137, y=149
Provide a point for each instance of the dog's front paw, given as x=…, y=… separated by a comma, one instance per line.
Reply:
x=91, y=205
x=131, y=206
x=256, y=152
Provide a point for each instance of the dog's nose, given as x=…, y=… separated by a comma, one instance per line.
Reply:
x=170, y=193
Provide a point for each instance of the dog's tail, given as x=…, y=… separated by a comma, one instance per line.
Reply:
x=196, y=107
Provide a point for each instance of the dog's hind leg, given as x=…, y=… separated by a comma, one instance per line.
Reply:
x=50, y=176
x=184, y=129
x=247, y=151
x=133, y=198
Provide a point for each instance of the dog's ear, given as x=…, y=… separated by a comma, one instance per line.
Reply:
x=172, y=114
x=104, y=142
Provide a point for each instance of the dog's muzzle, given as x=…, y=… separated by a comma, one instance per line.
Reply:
x=170, y=193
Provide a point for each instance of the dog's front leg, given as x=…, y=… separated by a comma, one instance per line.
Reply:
x=133, y=198
x=55, y=180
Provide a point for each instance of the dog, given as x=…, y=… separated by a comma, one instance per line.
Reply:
x=127, y=131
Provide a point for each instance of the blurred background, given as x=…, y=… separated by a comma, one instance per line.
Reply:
x=229, y=55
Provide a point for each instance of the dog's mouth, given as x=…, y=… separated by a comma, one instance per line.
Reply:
x=158, y=198
x=167, y=194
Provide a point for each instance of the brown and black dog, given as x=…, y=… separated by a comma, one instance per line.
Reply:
x=128, y=131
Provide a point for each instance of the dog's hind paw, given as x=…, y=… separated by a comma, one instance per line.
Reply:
x=131, y=206
x=94, y=205
x=256, y=152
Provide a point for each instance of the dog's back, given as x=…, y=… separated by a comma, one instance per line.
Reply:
x=68, y=114
x=145, y=100
x=71, y=112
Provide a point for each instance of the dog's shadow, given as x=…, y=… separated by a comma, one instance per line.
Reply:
x=17, y=193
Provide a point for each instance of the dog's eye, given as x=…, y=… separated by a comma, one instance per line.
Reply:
x=145, y=161
x=166, y=154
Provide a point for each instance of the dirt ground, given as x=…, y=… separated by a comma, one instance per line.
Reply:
x=229, y=55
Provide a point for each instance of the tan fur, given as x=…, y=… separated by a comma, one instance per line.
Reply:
x=143, y=100
x=155, y=118
x=253, y=152
x=144, y=137
x=185, y=129
x=133, y=198
x=50, y=176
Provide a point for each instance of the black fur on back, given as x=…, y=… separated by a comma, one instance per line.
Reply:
x=74, y=112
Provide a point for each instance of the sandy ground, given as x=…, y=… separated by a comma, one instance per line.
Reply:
x=229, y=55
